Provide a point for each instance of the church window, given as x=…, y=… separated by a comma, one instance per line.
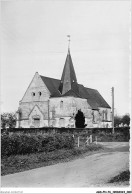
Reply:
x=103, y=115
x=106, y=115
x=61, y=104
x=93, y=116
x=61, y=122
x=40, y=93
x=33, y=93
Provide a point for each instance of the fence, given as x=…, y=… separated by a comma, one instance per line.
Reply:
x=89, y=140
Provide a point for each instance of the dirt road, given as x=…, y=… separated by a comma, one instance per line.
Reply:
x=91, y=171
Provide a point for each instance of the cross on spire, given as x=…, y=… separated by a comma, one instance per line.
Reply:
x=69, y=42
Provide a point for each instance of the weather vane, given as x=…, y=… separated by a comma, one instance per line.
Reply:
x=68, y=41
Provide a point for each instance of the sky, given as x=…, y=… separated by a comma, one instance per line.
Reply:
x=34, y=39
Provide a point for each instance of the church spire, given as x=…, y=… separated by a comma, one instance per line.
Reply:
x=69, y=43
x=68, y=78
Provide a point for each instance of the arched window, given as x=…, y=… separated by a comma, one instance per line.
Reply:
x=106, y=114
x=93, y=116
x=103, y=115
x=61, y=104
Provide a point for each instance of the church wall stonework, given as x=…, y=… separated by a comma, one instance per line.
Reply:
x=36, y=94
x=27, y=107
x=37, y=90
x=67, y=106
x=62, y=111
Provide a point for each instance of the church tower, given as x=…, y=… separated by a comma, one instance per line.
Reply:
x=68, y=78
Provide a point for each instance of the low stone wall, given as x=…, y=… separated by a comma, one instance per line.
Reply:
x=67, y=130
x=122, y=134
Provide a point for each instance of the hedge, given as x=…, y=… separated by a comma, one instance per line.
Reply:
x=12, y=144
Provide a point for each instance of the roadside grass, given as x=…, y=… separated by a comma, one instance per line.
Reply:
x=18, y=163
x=122, y=177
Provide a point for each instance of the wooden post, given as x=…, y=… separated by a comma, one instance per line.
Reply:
x=87, y=140
x=113, y=110
x=78, y=142
x=90, y=138
x=96, y=139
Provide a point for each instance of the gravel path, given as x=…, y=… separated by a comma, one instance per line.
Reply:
x=91, y=171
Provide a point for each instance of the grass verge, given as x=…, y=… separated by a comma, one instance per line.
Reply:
x=122, y=177
x=19, y=163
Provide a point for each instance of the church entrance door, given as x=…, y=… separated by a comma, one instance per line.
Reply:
x=62, y=122
x=36, y=122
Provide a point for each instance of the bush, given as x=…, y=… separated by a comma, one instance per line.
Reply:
x=12, y=144
x=18, y=163
x=123, y=176
x=8, y=120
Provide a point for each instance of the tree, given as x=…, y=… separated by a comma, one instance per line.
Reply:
x=117, y=121
x=8, y=120
x=80, y=119
x=126, y=119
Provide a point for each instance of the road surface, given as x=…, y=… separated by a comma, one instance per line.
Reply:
x=92, y=171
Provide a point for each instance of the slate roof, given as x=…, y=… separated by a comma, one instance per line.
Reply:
x=68, y=86
x=72, y=93
x=52, y=85
x=93, y=97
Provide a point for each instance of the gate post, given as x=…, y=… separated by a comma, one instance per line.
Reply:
x=90, y=138
x=78, y=142
x=96, y=139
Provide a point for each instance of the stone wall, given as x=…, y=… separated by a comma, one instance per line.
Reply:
x=36, y=94
x=37, y=91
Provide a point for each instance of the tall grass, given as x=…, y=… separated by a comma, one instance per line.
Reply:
x=12, y=144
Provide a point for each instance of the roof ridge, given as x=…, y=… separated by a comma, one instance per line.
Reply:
x=90, y=88
x=50, y=77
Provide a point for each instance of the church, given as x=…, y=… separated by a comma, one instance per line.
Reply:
x=50, y=102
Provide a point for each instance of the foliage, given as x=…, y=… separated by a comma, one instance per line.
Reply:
x=116, y=137
x=117, y=121
x=123, y=176
x=8, y=120
x=20, y=143
x=17, y=163
x=80, y=119
x=125, y=120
